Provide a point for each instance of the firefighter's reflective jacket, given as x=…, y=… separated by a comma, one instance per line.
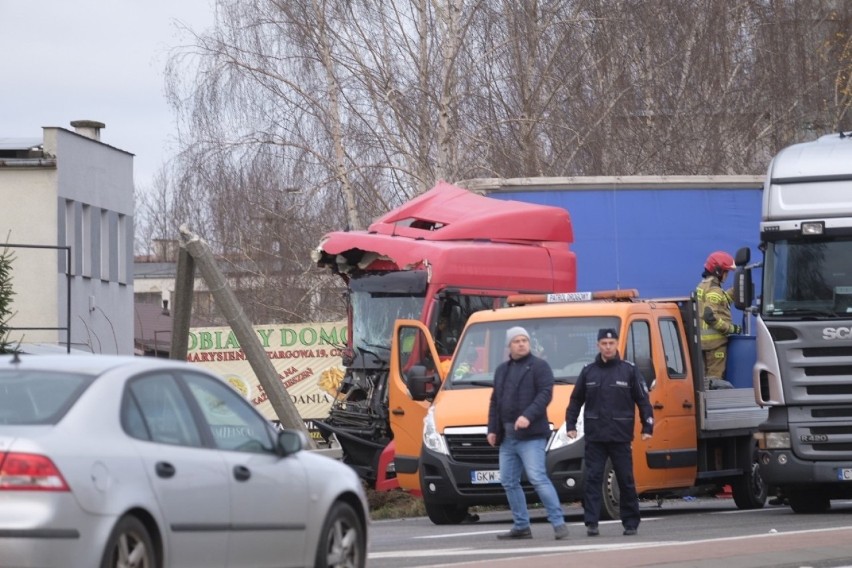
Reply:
x=714, y=312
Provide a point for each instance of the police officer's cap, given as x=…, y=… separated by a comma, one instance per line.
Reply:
x=607, y=333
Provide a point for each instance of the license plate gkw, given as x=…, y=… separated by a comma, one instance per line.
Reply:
x=844, y=474
x=478, y=477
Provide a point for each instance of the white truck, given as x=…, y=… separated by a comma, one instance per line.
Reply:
x=803, y=373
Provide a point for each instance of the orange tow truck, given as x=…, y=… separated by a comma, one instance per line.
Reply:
x=703, y=438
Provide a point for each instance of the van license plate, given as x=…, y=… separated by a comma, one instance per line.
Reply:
x=487, y=476
x=844, y=474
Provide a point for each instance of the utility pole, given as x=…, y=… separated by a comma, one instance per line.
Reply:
x=234, y=314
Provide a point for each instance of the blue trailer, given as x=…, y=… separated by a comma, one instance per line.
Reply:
x=652, y=233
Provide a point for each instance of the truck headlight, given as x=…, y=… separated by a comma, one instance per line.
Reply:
x=560, y=439
x=432, y=439
x=773, y=440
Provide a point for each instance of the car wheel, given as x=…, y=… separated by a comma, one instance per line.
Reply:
x=343, y=540
x=611, y=494
x=129, y=546
x=445, y=514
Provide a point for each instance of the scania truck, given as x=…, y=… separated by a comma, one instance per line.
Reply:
x=803, y=373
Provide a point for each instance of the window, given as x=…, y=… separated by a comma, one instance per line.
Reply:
x=452, y=314
x=638, y=350
x=86, y=244
x=234, y=424
x=154, y=409
x=673, y=349
x=638, y=342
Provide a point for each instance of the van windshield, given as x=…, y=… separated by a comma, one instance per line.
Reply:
x=567, y=344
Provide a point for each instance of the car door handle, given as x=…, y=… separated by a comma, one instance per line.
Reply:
x=658, y=406
x=687, y=404
x=398, y=412
x=165, y=470
x=241, y=473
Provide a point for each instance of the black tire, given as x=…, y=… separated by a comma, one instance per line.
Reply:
x=445, y=514
x=343, y=540
x=808, y=501
x=750, y=491
x=611, y=494
x=129, y=546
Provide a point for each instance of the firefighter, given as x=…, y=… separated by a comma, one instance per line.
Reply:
x=714, y=311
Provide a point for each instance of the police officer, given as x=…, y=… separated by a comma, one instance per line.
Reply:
x=611, y=389
x=714, y=309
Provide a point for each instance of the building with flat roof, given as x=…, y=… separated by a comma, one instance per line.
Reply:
x=67, y=217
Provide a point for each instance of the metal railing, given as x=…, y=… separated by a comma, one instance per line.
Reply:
x=68, y=277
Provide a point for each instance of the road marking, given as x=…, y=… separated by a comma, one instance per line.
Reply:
x=504, y=551
x=496, y=531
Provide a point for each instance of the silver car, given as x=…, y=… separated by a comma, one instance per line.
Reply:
x=140, y=462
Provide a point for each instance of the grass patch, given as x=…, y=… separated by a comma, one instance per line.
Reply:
x=395, y=504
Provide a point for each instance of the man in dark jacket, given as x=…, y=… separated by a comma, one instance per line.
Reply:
x=611, y=389
x=517, y=421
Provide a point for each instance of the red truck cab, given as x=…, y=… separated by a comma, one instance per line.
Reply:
x=437, y=259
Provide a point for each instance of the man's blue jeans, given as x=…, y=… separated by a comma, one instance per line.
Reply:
x=516, y=457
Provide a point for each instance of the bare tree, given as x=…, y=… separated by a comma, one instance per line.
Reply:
x=302, y=116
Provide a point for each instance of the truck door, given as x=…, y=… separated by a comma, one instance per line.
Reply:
x=413, y=354
x=670, y=457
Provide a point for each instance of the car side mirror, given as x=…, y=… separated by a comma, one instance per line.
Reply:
x=422, y=383
x=290, y=442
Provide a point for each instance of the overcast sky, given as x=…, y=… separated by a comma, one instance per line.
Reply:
x=64, y=60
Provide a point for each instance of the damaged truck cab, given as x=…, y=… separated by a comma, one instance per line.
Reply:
x=437, y=259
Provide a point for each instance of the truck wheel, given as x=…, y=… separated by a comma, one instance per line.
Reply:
x=749, y=489
x=445, y=514
x=611, y=495
x=808, y=500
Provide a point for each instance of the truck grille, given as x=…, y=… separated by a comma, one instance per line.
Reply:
x=472, y=449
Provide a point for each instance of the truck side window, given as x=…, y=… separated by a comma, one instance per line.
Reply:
x=672, y=348
x=452, y=317
x=638, y=349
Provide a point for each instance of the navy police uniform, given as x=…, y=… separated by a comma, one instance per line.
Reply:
x=611, y=390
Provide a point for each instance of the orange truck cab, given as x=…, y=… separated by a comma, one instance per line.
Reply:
x=702, y=437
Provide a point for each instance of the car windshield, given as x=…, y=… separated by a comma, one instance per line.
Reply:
x=38, y=397
x=378, y=300
x=808, y=277
x=567, y=344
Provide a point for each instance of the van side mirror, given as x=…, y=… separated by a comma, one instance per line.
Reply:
x=422, y=383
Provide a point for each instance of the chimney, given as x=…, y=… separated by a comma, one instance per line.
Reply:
x=88, y=128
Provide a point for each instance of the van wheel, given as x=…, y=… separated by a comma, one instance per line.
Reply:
x=343, y=540
x=445, y=514
x=129, y=546
x=611, y=494
x=749, y=490
x=808, y=500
